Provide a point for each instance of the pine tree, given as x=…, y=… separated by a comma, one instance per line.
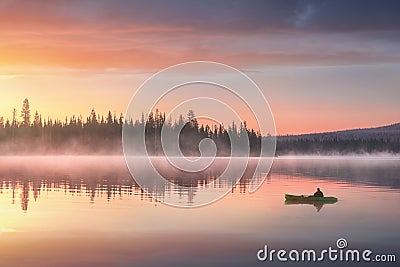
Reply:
x=26, y=113
x=93, y=117
x=37, y=122
x=109, y=118
x=14, y=121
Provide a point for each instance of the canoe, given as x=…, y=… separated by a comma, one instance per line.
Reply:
x=309, y=199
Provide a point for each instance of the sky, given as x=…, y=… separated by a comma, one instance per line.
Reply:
x=322, y=65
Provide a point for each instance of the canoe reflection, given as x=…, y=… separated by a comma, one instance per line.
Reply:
x=317, y=204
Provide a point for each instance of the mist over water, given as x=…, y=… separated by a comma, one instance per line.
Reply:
x=109, y=174
x=368, y=171
x=98, y=173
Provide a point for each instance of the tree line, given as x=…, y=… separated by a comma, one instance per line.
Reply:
x=97, y=134
x=103, y=134
x=362, y=141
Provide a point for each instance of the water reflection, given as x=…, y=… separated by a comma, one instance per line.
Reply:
x=87, y=211
x=109, y=188
x=317, y=205
x=364, y=171
x=108, y=177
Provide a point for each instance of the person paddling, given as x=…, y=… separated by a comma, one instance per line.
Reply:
x=318, y=193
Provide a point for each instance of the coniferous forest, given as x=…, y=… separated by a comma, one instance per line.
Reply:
x=103, y=134
x=27, y=133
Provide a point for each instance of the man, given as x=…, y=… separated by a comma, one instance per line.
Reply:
x=318, y=193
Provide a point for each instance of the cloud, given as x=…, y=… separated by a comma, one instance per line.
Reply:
x=206, y=16
x=7, y=77
x=152, y=34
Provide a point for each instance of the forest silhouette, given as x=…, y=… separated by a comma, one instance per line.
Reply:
x=98, y=134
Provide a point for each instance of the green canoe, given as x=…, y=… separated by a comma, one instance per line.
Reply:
x=309, y=199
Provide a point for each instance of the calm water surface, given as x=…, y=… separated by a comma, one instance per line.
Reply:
x=87, y=211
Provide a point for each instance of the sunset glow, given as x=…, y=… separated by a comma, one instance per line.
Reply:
x=317, y=74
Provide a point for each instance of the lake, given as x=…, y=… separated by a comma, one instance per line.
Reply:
x=88, y=211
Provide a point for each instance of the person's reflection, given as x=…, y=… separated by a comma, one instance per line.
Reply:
x=318, y=206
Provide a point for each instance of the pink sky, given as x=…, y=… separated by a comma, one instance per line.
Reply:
x=317, y=74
